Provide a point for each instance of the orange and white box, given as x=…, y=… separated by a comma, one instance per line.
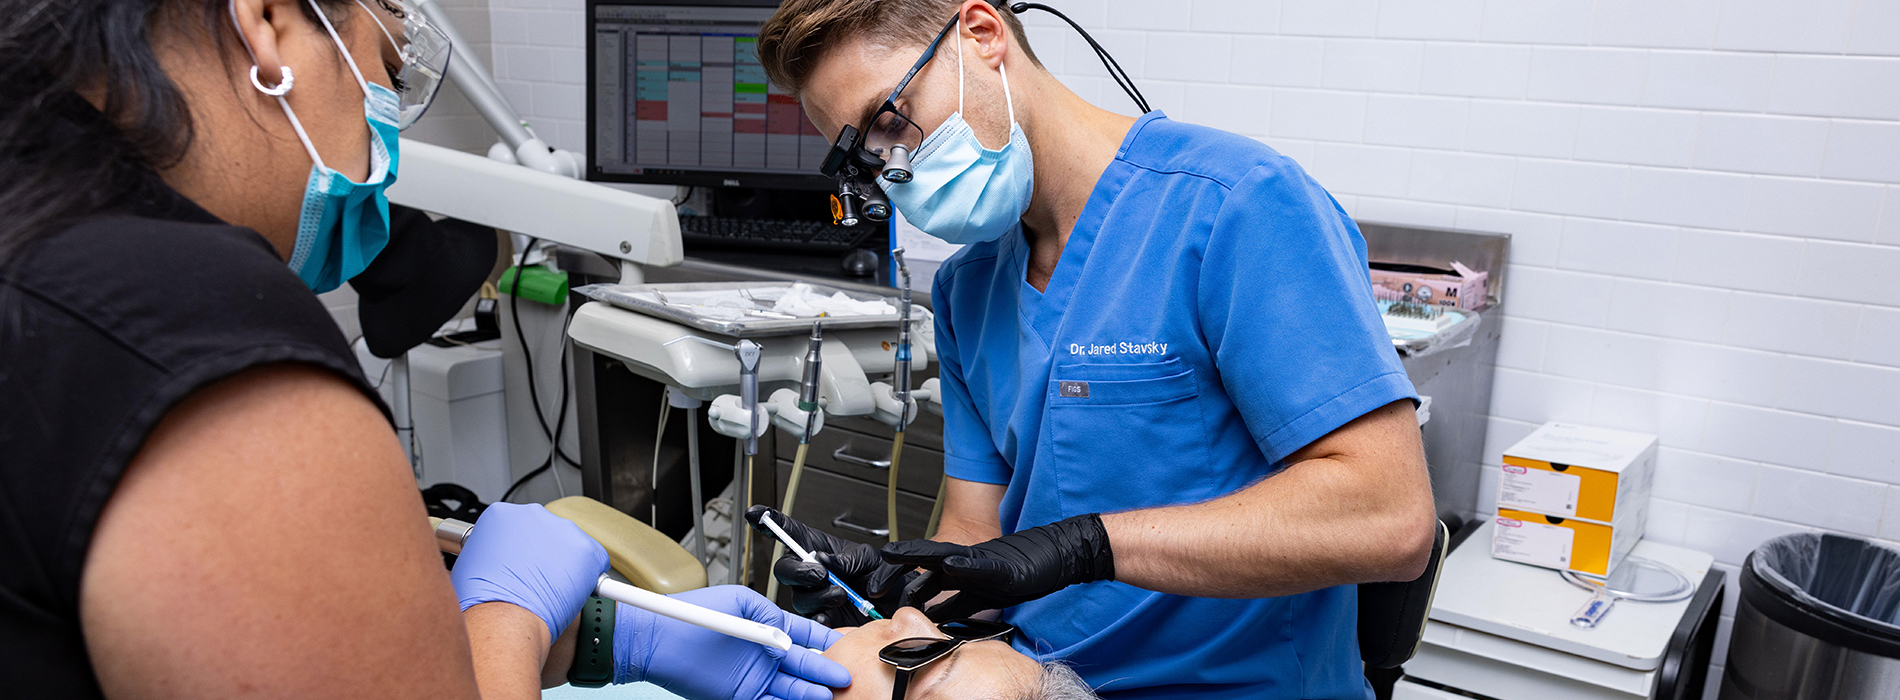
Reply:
x=1574, y=497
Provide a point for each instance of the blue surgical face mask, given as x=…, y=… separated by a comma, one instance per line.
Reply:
x=960, y=191
x=344, y=224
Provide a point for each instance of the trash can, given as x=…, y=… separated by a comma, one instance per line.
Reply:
x=1818, y=619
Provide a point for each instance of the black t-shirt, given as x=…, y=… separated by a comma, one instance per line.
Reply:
x=104, y=327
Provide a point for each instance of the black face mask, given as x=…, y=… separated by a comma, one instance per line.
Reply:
x=421, y=280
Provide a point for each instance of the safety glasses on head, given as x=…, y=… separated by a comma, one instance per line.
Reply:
x=424, y=53
x=909, y=655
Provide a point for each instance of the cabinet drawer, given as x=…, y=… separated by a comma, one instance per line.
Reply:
x=867, y=457
x=926, y=430
x=833, y=503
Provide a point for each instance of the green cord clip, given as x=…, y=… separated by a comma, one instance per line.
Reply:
x=538, y=283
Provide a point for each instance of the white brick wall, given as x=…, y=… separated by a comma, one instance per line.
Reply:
x=1704, y=197
x=452, y=121
x=540, y=63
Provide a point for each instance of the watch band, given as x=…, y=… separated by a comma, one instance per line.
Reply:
x=593, y=665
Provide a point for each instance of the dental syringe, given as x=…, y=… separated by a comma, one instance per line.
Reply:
x=857, y=601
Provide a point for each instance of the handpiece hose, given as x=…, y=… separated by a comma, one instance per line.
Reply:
x=807, y=402
x=901, y=390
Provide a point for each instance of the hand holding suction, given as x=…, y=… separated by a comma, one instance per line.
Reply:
x=515, y=556
x=535, y=559
x=694, y=662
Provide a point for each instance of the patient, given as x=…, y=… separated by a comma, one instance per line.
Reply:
x=985, y=670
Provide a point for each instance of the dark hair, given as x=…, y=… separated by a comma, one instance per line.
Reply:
x=61, y=159
x=791, y=42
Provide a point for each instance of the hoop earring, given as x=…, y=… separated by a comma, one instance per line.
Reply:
x=283, y=86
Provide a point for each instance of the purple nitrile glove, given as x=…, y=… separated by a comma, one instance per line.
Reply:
x=525, y=555
x=700, y=664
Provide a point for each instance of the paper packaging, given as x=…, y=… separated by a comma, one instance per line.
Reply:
x=1562, y=543
x=1459, y=287
x=1593, y=483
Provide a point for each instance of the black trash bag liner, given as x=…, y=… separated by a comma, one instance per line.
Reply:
x=1843, y=590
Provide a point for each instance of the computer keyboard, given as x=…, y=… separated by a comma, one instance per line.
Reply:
x=772, y=234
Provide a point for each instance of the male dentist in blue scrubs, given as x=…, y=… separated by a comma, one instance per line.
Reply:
x=1176, y=429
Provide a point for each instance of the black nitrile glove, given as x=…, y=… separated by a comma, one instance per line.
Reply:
x=858, y=565
x=1009, y=570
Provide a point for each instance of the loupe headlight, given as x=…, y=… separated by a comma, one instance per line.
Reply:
x=858, y=198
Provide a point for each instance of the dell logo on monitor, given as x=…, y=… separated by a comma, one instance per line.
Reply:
x=731, y=182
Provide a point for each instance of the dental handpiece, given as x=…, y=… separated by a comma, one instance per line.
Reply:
x=748, y=354
x=450, y=534
x=857, y=601
x=808, y=390
x=903, y=338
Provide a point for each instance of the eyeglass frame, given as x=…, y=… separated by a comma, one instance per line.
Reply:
x=413, y=20
x=901, y=686
x=851, y=137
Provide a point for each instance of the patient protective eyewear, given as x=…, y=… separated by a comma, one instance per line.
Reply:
x=424, y=53
x=909, y=655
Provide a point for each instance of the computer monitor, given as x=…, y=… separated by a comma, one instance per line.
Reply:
x=677, y=96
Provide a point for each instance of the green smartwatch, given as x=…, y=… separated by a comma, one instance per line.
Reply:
x=593, y=665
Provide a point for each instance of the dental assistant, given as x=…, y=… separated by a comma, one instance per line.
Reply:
x=1176, y=430
x=200, y=494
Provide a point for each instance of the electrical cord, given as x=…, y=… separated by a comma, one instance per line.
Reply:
x=527, y=355
x=560, y=424
x=1115, y=71
x=653, y=486
x=534, y=398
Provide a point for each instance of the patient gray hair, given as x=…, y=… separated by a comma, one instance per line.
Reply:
x=1059, y=682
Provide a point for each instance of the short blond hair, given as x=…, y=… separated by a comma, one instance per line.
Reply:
x=791, y=43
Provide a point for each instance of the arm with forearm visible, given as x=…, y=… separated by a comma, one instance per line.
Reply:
x=509, y=644
x=970, y=511
x=1354, y=506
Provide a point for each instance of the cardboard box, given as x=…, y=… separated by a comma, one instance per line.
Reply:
x=1459, y=287
x=1578, y=478
x=1577, y=471
x=1563, y=543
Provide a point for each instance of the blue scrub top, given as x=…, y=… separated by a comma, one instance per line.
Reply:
x=1210, y=315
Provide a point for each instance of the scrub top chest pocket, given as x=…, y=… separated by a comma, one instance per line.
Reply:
x=1126, y=436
